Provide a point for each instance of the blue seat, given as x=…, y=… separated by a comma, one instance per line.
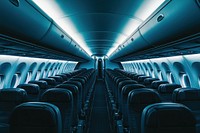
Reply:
x=124, y=96
x=147, y=81
x=36, y=117
x=9, y=99
x=155, y=84
x=138, y=99
x=190, y=97
x=32, y=90
x=41, y=83
x=76, y=96
x=50, y=81
x=167, y=118
x=63, y=99
x=166, y=91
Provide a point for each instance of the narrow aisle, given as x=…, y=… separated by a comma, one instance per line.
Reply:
x=99, y=121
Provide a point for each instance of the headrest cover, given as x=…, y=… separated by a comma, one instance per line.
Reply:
x=127, y=88
x=141, y=78
x=167, y=115
x=149, y=80
x=30, y=88
x=42, y=84
x=140, y=98
x=57, y=78
x=13, y=95
x=186, y=94
x=36, y=117
x=168, y=88
x=122, y=83
x=156, y=83
x=57, y=95
x=78, y=84
x=50, y=81
x=71, y=87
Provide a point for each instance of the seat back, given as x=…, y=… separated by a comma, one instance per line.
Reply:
x=63, y=99
x=190, y=97
x=166, y=91
x=137, y=100
x=167, y=118
x=124, y=96
x=148, y=81
x=75, y=93
x=9, y=98
x=155, y=84
x=121, y=85
x=36, y=117
x=50, y=81
x=32, y=91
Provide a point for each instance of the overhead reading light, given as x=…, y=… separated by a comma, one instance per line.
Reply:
x=144, y=11
x=52, y=9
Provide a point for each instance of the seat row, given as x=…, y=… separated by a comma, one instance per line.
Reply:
x=56, y=104
x=132, y=98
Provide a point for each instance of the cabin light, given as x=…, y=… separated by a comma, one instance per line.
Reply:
x=11, y=57
x=52, y=9
x=144, y=11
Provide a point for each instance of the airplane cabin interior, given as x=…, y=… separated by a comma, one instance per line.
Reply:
x=100, y=66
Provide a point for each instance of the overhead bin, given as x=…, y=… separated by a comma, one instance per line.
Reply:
x=176, y=20
x=133, y=44
x=21, y=20
x=57, y=39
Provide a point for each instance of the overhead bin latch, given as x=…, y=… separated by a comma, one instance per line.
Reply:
x=160, y=17
x=15, y=2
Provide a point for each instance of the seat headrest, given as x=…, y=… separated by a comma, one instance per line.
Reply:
x=57, y=78
x=127, y=88
x=78, y=84
x=82, y=81
x=37, y=117
x=57, y=95
x=71, y=87
x=149, y=80
x=168, y=116
x=168, y=88
x=141, y=78
x=186, y=94
x=156, y=83
x=50, y=81
x=13, y=95
x=42, y=84
x=30, y=88
x=125, y=82
x=140, y=98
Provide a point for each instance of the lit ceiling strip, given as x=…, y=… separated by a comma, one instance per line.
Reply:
x=143, y=12
x=52, y=9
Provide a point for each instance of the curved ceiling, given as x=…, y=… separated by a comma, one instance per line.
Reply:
x=101, y=24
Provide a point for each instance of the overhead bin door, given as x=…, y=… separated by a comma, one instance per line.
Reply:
x=59, y=40
x=133, y=44
x=22, y=21
x=178, y=19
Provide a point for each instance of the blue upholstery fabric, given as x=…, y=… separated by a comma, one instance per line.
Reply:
x=36, y=117
x=167, y=118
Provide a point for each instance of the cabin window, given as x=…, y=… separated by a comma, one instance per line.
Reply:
x=49, y=73
x=28, y=76
x=170, y=78
x=147, y=72
x=185, y=81
x=1, y=81
x=44, y=73
x=38, y=73
x=152, y=73
x=15, y=80
x=160, y=76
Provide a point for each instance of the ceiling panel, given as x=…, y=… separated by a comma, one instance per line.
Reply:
x=100, y=23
